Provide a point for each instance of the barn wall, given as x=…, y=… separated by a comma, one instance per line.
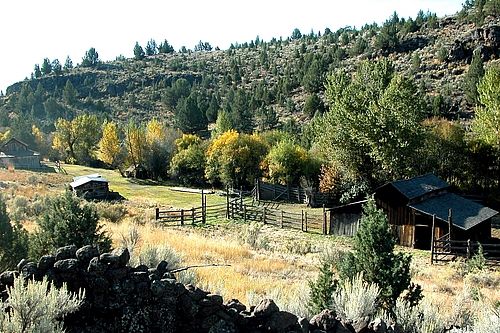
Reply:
x=401, y=220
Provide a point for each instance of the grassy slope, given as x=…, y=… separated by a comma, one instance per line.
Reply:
x=144, y=191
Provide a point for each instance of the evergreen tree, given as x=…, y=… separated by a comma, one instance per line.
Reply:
x=13, y=241
x=46, y=67
x=37, y=72
x=374, y=256
x=68, y=64
x=188, y=117
x=472, y=78
x=321, y=290
x=165, y=47
x=91, y=58
x=138, y=52
x=56, y=67
x=151, y=48
x=69, y=93
x=67, y=221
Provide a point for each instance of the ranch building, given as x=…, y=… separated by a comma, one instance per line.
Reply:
x=92, y=186
x=16, y=154
x=414, y=205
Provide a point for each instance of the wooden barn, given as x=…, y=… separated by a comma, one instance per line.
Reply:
x=16, y=154
x=414, y=205
x=92, y=186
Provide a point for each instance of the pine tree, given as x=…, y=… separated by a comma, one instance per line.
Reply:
x=37, y=72
x=68, y=64
x=13, y=240
x=91, y=58
x=46, y=67
x=472, y=78
x=321, y=290
x=138, y=52
x=151, y=48
x=69, y=93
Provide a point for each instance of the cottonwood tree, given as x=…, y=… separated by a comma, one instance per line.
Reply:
x=76, y=139
x=188, y=163
x=135, y=142
x=233, y=159
x=372, y=131
x=109, y=145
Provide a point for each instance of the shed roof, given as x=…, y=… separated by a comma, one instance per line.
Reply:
x=415, y=187
x=81, y=180
x=465, y=213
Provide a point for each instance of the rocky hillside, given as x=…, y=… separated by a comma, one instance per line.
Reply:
x=277, y=77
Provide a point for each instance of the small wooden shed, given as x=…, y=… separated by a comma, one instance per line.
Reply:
x=92, y=186
x=16, y=154
x=412, y=204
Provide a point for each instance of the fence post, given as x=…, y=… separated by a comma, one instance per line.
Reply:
x=264, y=214
x=227, y=202
x=282, y=219
x=449, y=223
x=469, y=250
x=202, y=207
x=288, y=192
x=192, y=214
x=157, y=213
x=257, y=189
x=182, y=216
x=205, y=210
x=305, y=220
x=302, y=220
x=324, y=220
x=244, y=213
x=432, y=237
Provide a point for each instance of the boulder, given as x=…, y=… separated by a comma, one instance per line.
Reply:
x=282, y=321
x=66, y=252
x=265, y=308
x=378, y=326
x=29, y=270
x=325, y=320
x=236, y=304
x=46, y=262
x=66, y=265
x=123, y=256
x=7, y=278
x=86, y=253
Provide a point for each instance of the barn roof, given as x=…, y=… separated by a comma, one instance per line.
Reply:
x=415, y=187
x=22, y=153
x=81, y=180
x=465, y=213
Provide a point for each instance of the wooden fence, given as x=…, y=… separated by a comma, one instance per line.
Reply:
x=275, y=192
x=444, y=249
x=330, y=221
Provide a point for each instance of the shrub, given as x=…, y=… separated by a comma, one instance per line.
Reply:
x=488, y=319
x=131, y=238
x=356, y=299
x=113, y=212
x=36, y=307
x=251, y=235
x=152, y=255
x=13, y=240
x=65, y=221
x=321, y=290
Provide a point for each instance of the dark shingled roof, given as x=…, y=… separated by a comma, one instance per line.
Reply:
x=465, y=213
x=418, y=186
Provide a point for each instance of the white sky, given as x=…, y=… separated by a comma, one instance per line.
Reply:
x=31, y=30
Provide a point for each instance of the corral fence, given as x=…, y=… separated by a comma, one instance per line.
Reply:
x=340, y=221
x=275, y=192
x=329, y=221
x=445, y=249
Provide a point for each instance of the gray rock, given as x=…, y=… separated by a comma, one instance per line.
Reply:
x=109, y=259
x=66, y=252
x=86, y=253
x=236, y=304
x=95, y=266
x=29, y=270
x=215, y=299
x=378, y=326
x=66, y=265
x=21, y=264
x=7, y=278
x=325, y=320
x=162, y=266
x=360, y=325
x=304, y=324
x=46, y=262
x=346, y=327
x=123, y=256
x=281, y=321
x=265, y=308
x=195, y=293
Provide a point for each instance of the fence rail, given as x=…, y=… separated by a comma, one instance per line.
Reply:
x=444, y=250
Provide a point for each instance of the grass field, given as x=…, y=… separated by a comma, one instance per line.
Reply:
x=143, y=191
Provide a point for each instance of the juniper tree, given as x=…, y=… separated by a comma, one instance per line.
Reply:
x=374, y=256
x=13, y=240
x=472, y=78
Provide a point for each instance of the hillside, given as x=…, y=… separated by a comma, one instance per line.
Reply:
x=277, y=77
